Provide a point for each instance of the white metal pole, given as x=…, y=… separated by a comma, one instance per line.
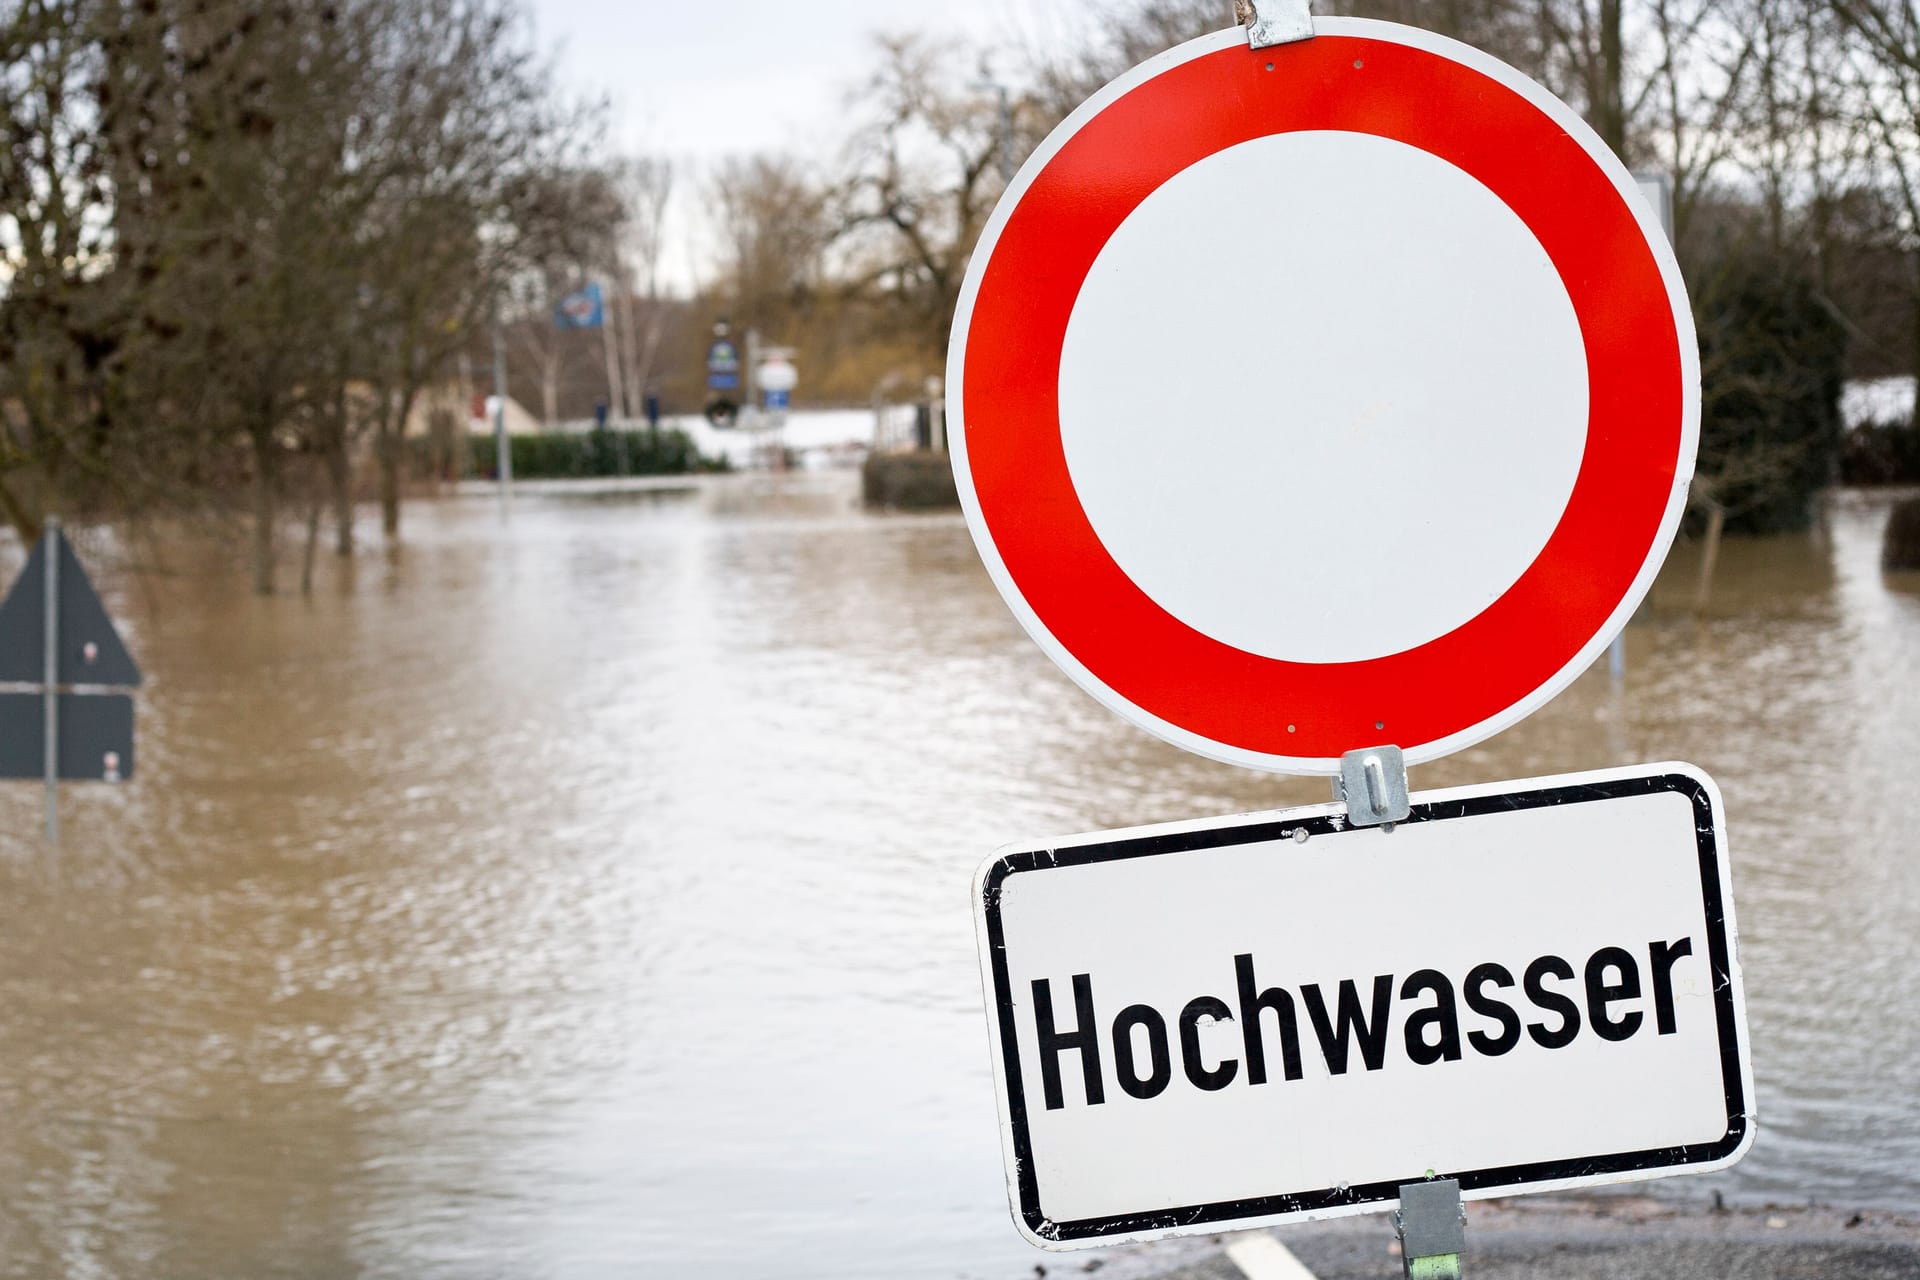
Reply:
x=50, y=675
x=750, y=399
x=502, y=455
x=616, y=390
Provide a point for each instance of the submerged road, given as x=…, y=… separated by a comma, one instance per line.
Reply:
x=1612, y=1237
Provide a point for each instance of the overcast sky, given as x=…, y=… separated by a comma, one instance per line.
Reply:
x=703, y=81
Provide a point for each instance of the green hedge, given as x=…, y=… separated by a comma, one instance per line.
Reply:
x=591, y=454
x=917, y=481
x=1881, y=453
x=1772, y=358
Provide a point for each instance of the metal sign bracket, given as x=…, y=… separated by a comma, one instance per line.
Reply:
x=1373, y=786
x=1271, y=22
x=1432, y=1226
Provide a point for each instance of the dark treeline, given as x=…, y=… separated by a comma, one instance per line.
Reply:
x=244, y=243
x=1789, y=129
x=244, y=240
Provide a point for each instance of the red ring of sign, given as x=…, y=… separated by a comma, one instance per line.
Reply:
x=1011, y=405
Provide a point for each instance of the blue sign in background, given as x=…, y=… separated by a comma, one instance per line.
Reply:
x=582, y=310
x=723, y=366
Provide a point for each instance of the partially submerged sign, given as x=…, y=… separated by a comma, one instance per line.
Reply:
x=90, y=650
x=65, y=724
x=1214, y=1025
x=94, y=738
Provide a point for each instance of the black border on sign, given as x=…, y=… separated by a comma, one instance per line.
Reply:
x=1707, y=839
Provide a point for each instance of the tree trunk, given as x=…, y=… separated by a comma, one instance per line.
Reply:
x=550, y=392
x=643, y=380
x=1709, y=558
x=340, y=486
x=1913, y=418
x=339, y=472
x=393, y=452
x=25, y=523
x=266, y=468
x=1609, y=108
x=313, y=544
x=630, y=355
x=389, y=452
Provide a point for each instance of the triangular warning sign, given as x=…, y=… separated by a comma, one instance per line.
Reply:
x=90, y=650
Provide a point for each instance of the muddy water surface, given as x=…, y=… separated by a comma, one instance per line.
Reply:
x=585, y=895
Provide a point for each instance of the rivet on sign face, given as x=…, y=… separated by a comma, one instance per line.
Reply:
x=1300, y=835
x=1269, y=66
x=1379, y=724
x=1289, y=728
x=1357, y=64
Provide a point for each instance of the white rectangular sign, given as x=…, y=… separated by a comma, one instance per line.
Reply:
x=1220, y=1024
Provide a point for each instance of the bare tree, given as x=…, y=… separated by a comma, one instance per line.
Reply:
x=571, y=218
x=1884, y=59
x=644, y=183
x=773, y=221
x=227, y=130
x=460, y=117
x=53, y=185
x=922, y=174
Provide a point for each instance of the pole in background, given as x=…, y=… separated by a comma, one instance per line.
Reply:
x=1006, y=139
x=750, y=375
x=616, y=385
x=750, y=420
x=1657, y=189
x=502, y=455
x=50, y=669
x=990, y=85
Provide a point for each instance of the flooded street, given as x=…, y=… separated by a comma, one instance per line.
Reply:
x=586, y=895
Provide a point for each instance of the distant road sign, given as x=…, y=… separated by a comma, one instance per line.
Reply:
x=1311, y=397
x=584, y=309
x=1213, y=1025
x=723, y=366
x=90, y=649
x=95, y=736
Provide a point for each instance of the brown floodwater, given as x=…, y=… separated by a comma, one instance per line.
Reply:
x=585, y=894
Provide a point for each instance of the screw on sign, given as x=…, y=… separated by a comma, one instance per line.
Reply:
x=1323, y=395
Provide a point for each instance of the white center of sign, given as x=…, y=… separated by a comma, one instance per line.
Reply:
x=1300, y=434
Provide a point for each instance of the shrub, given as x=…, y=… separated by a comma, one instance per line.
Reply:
x=1881, y=453
x=1772, y=359
x=594, y=454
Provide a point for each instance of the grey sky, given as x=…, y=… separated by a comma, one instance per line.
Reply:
x=703, y=81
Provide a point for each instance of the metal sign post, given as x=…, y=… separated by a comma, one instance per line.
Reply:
x=1432, y=1226
x=502, y=452
x=50, y=680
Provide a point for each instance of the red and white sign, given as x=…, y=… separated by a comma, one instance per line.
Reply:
x=1314, y=397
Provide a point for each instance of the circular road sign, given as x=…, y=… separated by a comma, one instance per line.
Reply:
x=1323, y=396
